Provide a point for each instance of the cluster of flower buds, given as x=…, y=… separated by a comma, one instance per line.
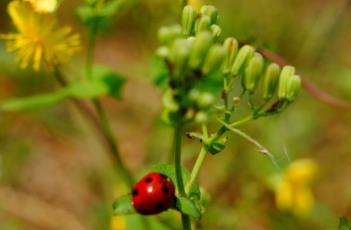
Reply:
x=250, y=65
x=193, y=52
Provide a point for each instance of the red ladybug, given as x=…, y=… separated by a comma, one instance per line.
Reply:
x=153, y=194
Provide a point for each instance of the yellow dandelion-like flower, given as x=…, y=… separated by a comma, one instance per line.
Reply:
x=38, y=40
x=292, y=190
x=43, y=6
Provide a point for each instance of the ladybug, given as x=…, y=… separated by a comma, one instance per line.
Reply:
x=153, y=194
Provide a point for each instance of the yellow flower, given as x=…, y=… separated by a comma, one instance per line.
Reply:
x=43, y=6
x=118, y=223
x=38, y=40
x=196, y=4
x=292, y=190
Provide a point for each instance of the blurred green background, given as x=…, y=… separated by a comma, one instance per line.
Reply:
x=54, y=174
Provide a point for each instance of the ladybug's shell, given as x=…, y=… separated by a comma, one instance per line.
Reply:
x=153, y=194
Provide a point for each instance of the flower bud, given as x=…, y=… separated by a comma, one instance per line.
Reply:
x=214, y=59
x=270, y=81
x=216, y=31
x=168, y=101
x=285, y=75
x=163, y=52
x=205, y=100
x=201, y=117
x=201, y=45
x=216, y=146
x=167, y=35
x=231, y=46
x=179, y=56
x=188, y=20
x=211, y=12
x=204, y=24
x=252, y=72
x=196, y=4
x=245, y=53
x=293, y=88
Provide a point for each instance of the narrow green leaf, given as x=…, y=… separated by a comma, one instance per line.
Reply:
x=344, y=224
x=34, y=102
x=187, y=207
x=87, y=89
x=123, y=206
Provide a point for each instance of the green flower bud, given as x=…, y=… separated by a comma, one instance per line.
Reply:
x=231, y=46
x=188, y=20
x=204, y=24
x=168, y=101
x=201, y=45
x=205, y=100
x=201, y=117
x=211, y=12
x=216, y=31
x=214, y=59
x=216, y=146
x=285, y=75
x=245, y=53
x=194, y=95
x=163, y=52
x=179, y=56
x=167, y=35
x=293, y=87
x=270, y=81
x=252, y=72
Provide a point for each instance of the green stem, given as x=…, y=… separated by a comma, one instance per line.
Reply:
x=111, y=140
x=242, y=121
x=102, y=115
x=196, y=169
x=178, y=170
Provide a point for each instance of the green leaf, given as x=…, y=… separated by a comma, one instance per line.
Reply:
x=168, y=170
x=34, y=102
x=87, y=89
x=123, y=206
x=187, y=207
x=113, y=81
x=344, y=224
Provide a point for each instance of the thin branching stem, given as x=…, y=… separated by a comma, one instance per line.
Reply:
x=177, y=139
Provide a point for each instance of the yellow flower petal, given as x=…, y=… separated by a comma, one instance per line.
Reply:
x=284, y=195
x=302, y=171
x=43, y=6
x=304, y=202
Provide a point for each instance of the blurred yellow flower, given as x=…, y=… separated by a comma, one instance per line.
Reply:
x=118, y=223
x=38, y=40
x=43, y=6
x=196, y=4
x=292, y=190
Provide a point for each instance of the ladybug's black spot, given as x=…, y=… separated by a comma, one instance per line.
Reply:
x=135, y=192
x=159, y=206
x=148, y=180
x=165, y=189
